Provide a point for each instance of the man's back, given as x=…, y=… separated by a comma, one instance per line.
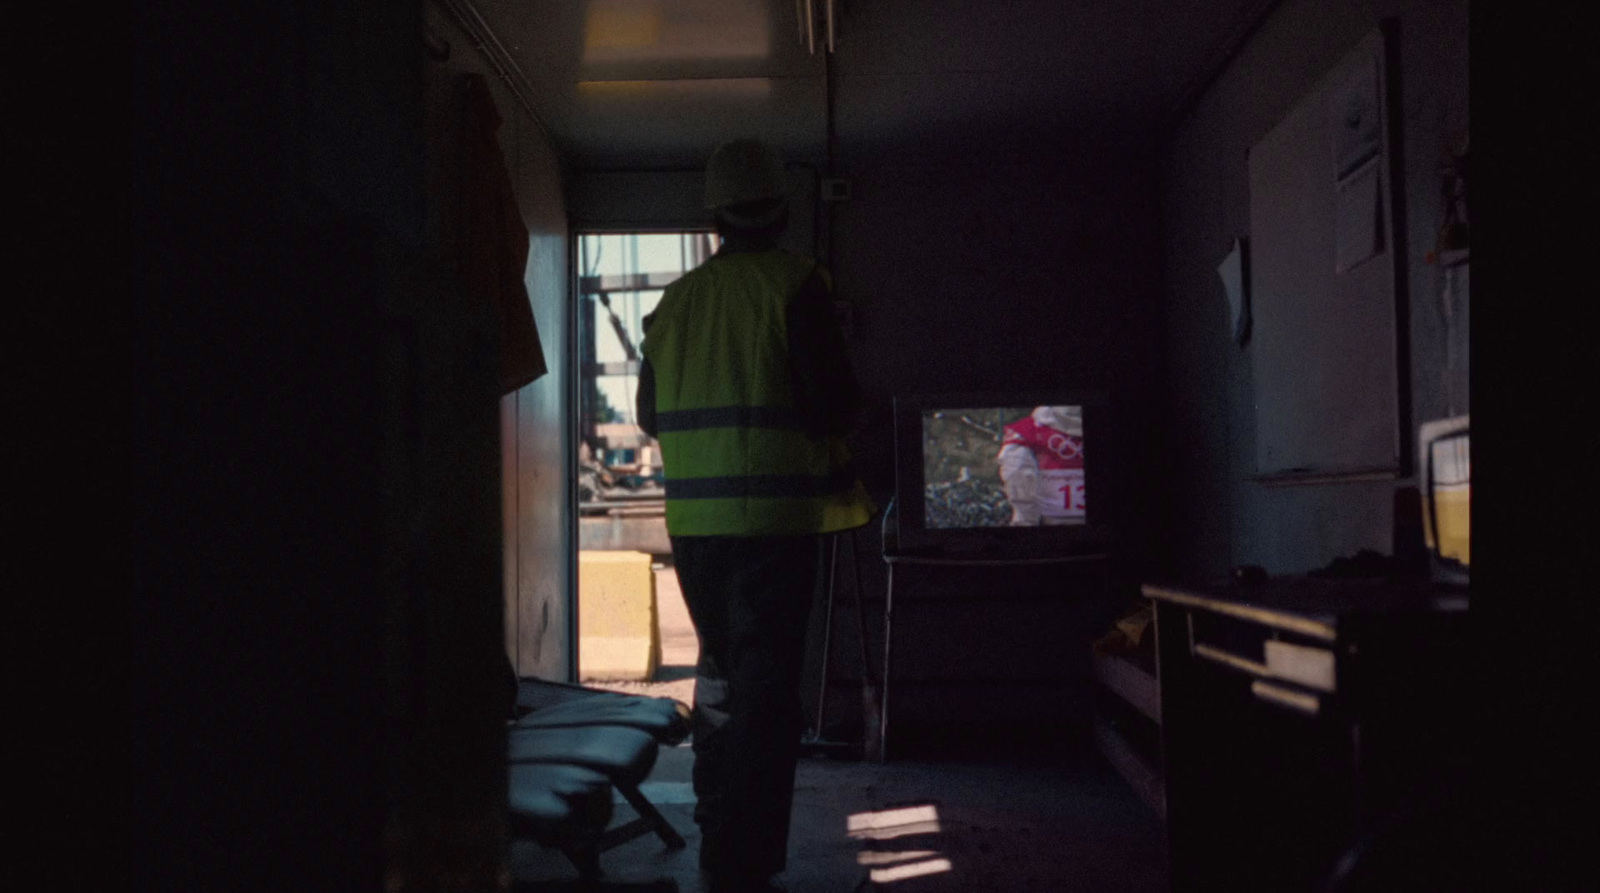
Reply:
x=736, y=388
x=719, y=337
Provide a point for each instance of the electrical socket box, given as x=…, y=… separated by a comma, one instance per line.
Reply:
x=835, y=190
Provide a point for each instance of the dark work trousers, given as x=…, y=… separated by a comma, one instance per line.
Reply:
x=750, y=599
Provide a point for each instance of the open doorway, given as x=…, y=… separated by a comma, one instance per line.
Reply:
x=634, y=632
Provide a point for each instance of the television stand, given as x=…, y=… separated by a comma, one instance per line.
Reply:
x=975, y=559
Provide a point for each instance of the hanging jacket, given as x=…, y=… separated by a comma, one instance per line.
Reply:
x=746, y=386
x=477, y=227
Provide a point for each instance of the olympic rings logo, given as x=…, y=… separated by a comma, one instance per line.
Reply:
x=1064, y=446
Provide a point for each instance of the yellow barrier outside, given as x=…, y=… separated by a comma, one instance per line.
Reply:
x=618, y=636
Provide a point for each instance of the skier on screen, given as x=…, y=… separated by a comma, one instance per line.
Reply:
x=1041, y=466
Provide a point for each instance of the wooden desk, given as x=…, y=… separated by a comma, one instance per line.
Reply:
x=1296, y=715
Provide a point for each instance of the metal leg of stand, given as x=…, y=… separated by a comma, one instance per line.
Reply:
x=827, y=638
x=883, y=692
x=869, y=691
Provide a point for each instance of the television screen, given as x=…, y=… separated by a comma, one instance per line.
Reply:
x=1015, y=466
x=1004, y=475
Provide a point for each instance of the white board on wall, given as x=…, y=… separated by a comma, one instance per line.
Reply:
x=1325, y=355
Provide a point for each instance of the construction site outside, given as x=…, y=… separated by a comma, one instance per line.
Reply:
x=634, y=631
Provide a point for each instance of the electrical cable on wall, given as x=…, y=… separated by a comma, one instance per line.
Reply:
x=832, y=154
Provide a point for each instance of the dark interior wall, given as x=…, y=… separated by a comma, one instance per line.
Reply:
x=535, y=448
x=657, y=200
x=641, y=200
x=996, y=271
x=315, y=636
x=1222, y=518
x=545, y=594
x=984, y=274
x=276, y=164
x=972, y=272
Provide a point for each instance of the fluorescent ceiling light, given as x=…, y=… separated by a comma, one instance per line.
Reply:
x=683, y=31
x=726, y=88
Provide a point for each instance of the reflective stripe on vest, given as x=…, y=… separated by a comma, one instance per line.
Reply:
x=738, y=459
x=729, y=417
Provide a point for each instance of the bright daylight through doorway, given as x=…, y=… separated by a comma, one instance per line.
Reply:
x=634, y=632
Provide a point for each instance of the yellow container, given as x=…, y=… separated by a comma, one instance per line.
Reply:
x=1449, y=512
x=1453, y=509
x=619, y=638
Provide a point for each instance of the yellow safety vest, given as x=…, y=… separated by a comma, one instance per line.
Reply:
x=737, y=458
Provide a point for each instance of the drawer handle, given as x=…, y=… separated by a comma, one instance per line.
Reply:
x=1217, y=655
x=1284, y=697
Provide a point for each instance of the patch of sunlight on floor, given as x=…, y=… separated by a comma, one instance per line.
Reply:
x=909, y=870
x=883, y=857
x=891, y=823
x=888, y=866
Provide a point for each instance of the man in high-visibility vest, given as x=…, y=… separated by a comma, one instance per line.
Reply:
x=747, y=385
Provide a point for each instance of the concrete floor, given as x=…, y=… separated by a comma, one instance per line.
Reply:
x=1051, y=822
x=947, y=827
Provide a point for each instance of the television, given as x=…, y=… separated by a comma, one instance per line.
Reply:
x=1011, y=475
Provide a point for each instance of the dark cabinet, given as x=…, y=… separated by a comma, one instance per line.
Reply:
x=1299, y=717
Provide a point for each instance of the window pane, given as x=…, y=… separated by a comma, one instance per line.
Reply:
x=622, y=277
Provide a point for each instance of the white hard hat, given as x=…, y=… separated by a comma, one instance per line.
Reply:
x=743, y=171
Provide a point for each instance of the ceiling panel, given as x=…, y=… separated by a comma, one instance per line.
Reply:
x=658, y=83
x=666, y=124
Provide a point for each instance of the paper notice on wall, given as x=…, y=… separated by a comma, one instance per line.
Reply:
x=1358, y=224
x=1231, y=270
x=1356, y=117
